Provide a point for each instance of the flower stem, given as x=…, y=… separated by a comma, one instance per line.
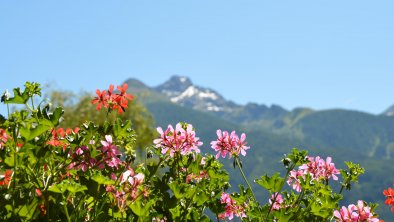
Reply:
x=243, y=175
x=8, y=110
x=277, y=193
x=344, y=184
x=66, y=211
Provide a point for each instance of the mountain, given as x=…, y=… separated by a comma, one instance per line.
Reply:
x=180, y=90
x=272, y=131
x=389, y=111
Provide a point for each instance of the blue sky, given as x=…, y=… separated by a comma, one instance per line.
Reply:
x=318, y=54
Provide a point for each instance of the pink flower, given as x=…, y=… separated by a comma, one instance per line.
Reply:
x=317, y=168
x=231, y=208
x=181, y=140
x=229, y=144
x=346, y=214
x=81, y=158
x=113, y=176
x=354, y=213
x=330, y=169
x=110, y=152
x=134, y=180
x=295, y=180
x=278, y=202
x=320, y=169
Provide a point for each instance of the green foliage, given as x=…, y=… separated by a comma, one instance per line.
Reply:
x=90, y=172
x=78, y=111
x=272, y=184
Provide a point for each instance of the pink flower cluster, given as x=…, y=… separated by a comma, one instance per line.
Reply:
x=317, y=168
x=231, y=208
x=181, y=140
x=231, y=144
x=278, y=202
x=82, y=159
x=129, y=190
x=355, y=213
x=110, y=152
x=109, y=156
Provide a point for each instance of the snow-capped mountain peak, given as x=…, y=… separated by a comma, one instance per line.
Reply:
x=180, y=90
x=193, y=91
x=174, y=86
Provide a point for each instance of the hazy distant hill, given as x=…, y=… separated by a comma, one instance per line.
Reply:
x=272, y=131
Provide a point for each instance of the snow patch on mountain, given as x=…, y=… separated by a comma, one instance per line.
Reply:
x=208, y=94
x=193, y=91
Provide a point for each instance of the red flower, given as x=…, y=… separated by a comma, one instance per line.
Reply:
x=59, y=135
x=6, y=178
x=123, y=97
x=43, y=209
x=118, y=101
x=3, y=138
x=100, y=99
x=389, y=193
x=38, y=192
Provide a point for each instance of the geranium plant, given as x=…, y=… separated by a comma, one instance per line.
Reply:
x=90, y=172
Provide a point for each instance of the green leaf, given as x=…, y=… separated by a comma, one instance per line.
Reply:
x=25, y=210
x=9, y=161
x=176, y=212
x=272, y=184
x=176, y=189
x=117, y=215
x=101, y=179
x=56, y=115
x=76, y=187
x=70, y=186
x=19, y=98
x=58, y=188
x=215, y=174
x=200, y=198
x=140, y=209
x=40, y=129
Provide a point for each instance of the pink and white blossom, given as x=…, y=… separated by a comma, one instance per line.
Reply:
x=353, y=213
x=229, y=143
x=180, y=140
x=317, y=168
x=232, y=208
x=278, y=202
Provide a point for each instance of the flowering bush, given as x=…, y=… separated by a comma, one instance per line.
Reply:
x=91, y=173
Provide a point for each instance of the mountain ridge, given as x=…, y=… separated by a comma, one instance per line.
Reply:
x=272, y=131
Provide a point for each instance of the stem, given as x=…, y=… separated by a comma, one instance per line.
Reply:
x=96, y=201
x=277, y=193
x=8, y=110
x=246, y=180
x=32, y=102
x=298, y=203
x=346, y=182
x=15, y=133
x=177, y=166
x=66, y=211
x=299, y=198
